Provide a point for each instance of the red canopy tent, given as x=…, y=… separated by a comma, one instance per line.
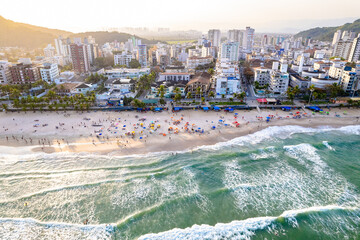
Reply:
x=261, y=100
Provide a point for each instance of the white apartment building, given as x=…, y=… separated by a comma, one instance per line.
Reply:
x=174, y=76
x=227, y=78
x=126, y=73
x=193, y=62
x=248, y=40
x=5, y=76
x=235, y=35
x=214, y=36
x=349, y=81
x=336, y=38
x=342, y=48
x=49, y=72
x=279, y=82
x=230, y=51
x=49, y=51
x=262, y=75
x=122, y=59
x=354, y=55
x=279, y=79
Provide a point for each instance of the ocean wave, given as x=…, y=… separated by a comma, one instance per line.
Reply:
x=29, y=228
x=243, y=229
x=326, y=144
x=282, y=132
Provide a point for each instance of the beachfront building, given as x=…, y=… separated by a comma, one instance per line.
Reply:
x=227, y=78
x=126, y=72
x=347, y=76
x=262, y=75
x=24, y=73
x=322, y=81
x=120, y=86
x=5, y=76
x=296, y=80
x=49, y=71
x=279, y=82
x=122, y=59
x=349, y=80
x=174, y=76
x=170, y=87
x=200, y=80
x=193, y=62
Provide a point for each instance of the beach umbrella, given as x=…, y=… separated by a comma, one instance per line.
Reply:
x=213, y=127
x=124, y=126
x=141, y=137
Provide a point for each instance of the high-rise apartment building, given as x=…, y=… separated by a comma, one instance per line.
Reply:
x=80, y=58
x=354, y=55
x=49, y=72
x=214, y=36
x=336, y=38
x=230, y=51
x=24, y=73
x=142, y=55
x=248, y=40
x=235, y=36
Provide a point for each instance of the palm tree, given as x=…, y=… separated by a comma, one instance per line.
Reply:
x=198, y=91
x=311, y=89
x=161, y=91
x=5, y=106
x=188, y=95
x=211, y=94
x=241, y=96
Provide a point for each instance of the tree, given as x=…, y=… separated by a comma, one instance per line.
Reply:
x=5, y=106
x=51, y=95
x=241, y=95
x=104, y=62
x=222, y=96
x=311, y=89
x=334, y=89
x=211, y=94
x=211, y=71
x=161, y=91
x=15, y=93
x=189, y=95
x=138, y=103
x=134, y=63
x=290, y=94
x=177, y=97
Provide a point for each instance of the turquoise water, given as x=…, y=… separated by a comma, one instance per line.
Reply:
x=279, y=183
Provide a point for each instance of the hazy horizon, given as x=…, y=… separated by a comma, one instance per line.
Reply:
x=82, y=16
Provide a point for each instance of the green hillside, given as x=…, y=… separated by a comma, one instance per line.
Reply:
x=327, y=33
x=13, y=34
x=103, y=37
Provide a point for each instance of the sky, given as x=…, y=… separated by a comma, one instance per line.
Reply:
x=263, y=15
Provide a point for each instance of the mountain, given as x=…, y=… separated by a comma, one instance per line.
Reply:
x=14, y=34
x=327, y=33
x=103, y=37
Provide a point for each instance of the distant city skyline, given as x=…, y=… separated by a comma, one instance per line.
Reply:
x=280, y=15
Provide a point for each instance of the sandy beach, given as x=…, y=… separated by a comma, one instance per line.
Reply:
x=126, y=133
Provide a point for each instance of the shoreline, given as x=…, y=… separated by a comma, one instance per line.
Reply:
x=115, y=143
